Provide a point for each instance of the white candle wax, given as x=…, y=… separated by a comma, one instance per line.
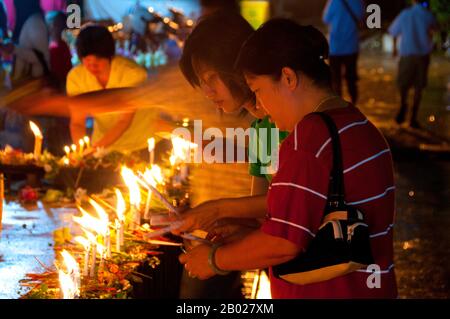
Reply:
x=37, y=147
x=147, y=205
x=86, y=262
x=93, y=259
x=108, y=244
x=118, y=227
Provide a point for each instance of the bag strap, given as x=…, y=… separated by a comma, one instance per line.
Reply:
x=336, y=192
x=352, y=14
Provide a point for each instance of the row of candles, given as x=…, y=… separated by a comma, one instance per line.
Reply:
x=97, y=230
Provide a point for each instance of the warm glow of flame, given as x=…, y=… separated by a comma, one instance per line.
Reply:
x=154, y=175
x=132, y=183
x=91, y=223
x=83, y=241
x=35, y=129
x=120, y=208
x=86, y=140
x=264, y=287
x=100, y=250
x=67, y=149
x=151, y=144
x=69, y=281
x=74, y=148
x=91, y=237
x=100, y=211
x=66, y=161
x=181, y=149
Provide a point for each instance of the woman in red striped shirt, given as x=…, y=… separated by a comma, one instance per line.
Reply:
x=284, y=65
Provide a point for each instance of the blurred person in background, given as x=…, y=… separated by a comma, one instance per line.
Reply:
x=344, y=18
x=414, y=25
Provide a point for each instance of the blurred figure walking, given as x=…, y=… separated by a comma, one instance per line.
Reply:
x=344, y=18
x=415, y=26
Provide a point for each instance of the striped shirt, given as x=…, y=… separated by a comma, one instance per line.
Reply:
x=298, y=192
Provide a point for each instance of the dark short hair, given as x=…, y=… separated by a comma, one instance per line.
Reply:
x=57, y=17
x=283, y=43
x=95, y=40
x=216, y=42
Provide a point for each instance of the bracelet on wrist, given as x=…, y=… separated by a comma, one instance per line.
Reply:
x=212, y=261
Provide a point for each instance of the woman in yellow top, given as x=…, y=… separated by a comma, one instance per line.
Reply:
x=101, y=69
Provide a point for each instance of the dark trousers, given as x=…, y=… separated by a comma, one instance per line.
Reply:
x=348, y=65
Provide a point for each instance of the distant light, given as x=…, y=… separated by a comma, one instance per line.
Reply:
x=407, y=245
x=151, y=10
x=120, y=25
x=431, y=118
x=166, y=20
x=186, y=119
x=111, y=29
x=185, y=124
x=189, y=23
x=411, y=193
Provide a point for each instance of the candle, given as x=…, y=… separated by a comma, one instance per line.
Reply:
x=118, y=231
x=135, y=218
x=108, y=243
x=87, y=142
x=151, y=149
x=86, y=261
x=87, y=247
x=37, y=140
x=74, y=148
x=67, y=150
x=147, y=205
x=184, y=171
x=93, y=258
x=81, y=143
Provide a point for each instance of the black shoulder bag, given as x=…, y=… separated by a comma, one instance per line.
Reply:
x=342, y=243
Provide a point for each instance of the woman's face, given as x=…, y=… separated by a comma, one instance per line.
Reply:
x=215, y=89
x=271, y=97
x=255, y=109
x=96, y=65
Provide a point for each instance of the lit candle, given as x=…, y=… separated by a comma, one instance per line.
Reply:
x=108, y=244
x=67, y=150
x=135, y=197
x=120, y=219
x=81, y=143
x=87, y=142
x=37, y=140
x=74, y=148
x=94, y=258
x=87, y=247
x=118, y=231
x=151, y=149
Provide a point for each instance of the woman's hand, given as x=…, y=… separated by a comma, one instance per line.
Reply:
x=196, y=262
x=202, y=217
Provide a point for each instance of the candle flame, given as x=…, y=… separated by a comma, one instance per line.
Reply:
x=100, y=211
x=81, y=142
x=35, y=129
x=86, y=140
x=70, y=280
x=120, y=205
x=181, y=149
x=154, y=175
x=74, y=148
x=67, y=149
x=132, y=183
x=83, y=241
x=91, y=223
